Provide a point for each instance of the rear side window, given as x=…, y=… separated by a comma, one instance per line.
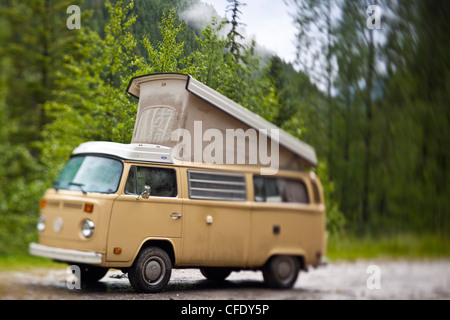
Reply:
x=276, y=189
x=216, y=186
x=162, y=181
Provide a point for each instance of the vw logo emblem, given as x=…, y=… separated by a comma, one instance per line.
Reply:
x=58, y=224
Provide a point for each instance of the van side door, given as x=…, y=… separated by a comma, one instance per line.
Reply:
x=217, y=217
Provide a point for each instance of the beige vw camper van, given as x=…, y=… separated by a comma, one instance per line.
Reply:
x=155, y=204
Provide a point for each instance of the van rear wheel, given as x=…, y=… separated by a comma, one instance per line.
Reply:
x=151, y=270
x=281, y=271
x=215, y=274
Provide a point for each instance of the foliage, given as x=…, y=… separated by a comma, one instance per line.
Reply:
x=89, y=104
x=166, y=57
x=335, y=219
x=209, y=64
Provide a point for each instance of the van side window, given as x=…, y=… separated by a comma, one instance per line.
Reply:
x=272, y=189
x=162, y=181
x=216, y=186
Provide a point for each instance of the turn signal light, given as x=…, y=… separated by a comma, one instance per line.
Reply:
x=88, y=207
x=43, y=203
x=117, y=250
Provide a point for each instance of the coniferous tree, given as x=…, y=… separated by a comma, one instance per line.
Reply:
x=234, y=35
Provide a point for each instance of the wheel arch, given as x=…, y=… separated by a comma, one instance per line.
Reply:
x=298, y=254
x=165, y=244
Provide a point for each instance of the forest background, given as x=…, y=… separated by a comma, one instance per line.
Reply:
x=373, y=102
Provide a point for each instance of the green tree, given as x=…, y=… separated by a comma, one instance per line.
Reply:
x=35, y=40
x=20, y=184
x=119, y=43
x=167, y=56
x=209, y=62
x=417, y=95
x=90, y=103
x=234, y=36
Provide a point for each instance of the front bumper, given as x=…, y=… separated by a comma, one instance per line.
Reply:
x=66, y=255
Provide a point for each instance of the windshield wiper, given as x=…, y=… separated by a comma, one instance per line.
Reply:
x=81, y=185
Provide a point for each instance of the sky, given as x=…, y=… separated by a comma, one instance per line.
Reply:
x=268, y=22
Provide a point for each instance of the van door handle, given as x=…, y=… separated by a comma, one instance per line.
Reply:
x=176, y=215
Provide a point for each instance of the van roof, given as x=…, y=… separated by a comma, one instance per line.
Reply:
x=134, y=151
x=140, y=88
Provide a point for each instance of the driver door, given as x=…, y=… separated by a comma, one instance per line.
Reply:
x=135, y=218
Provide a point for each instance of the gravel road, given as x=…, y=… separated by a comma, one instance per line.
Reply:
x=374, y=279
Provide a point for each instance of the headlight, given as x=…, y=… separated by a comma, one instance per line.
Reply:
x=87, y=228
x=41, y=223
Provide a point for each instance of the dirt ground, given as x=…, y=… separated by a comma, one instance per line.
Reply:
x=374, y=279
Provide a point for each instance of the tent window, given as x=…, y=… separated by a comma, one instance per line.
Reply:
x=155, y=125
x=270, y=189
x=216, y=186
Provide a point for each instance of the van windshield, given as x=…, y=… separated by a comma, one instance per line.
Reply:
x=90, y=174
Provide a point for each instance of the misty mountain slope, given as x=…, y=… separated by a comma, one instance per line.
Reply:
x=194, y=13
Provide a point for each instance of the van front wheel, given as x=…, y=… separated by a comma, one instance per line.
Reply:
x=91, y=274
x=151, y=270
x=281, y=271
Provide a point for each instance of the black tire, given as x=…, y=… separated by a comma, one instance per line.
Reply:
x=281, y=272
x=151, y=270
x=215, y=274
x=91, y=274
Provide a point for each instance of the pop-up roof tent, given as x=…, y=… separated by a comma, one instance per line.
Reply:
x=177, y=111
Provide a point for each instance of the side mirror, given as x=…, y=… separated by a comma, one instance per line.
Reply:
x=145, y=194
